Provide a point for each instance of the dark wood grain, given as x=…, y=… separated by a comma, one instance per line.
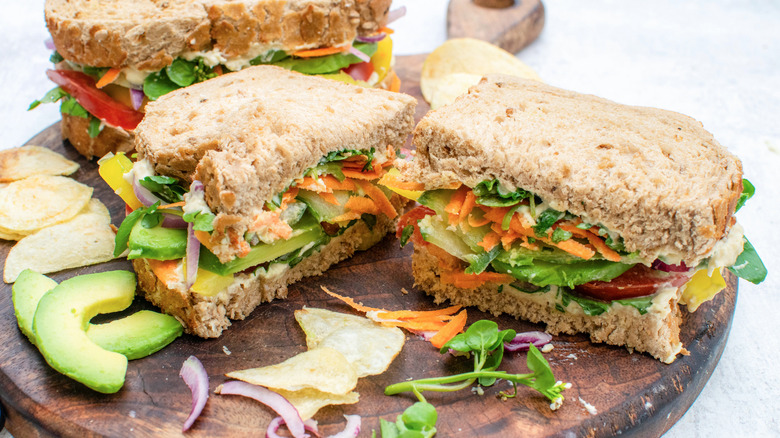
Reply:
x=510, y=28
x=633, y=393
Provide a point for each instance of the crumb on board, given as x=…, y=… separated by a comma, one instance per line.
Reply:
x=404, y=291
x=547, y=348
x=589, y=407
x=225, y=350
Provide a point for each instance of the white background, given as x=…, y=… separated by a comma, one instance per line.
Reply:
x=715, y=60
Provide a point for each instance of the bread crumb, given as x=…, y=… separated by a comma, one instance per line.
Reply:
x=572, y=356
x=131, y=414
x=225, y=349
x=404, y=291
x=547, y=348
x=478, y=390
x=589, y=407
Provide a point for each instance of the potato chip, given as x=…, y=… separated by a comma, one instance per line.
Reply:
x=370, y=347
x=470, y=56
x=309, y=401
x=449, y=87
x=40, y=201
x=84, y=240
x=19, y=163
x=323, y=369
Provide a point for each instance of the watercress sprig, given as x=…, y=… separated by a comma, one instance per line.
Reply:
x=485, y=343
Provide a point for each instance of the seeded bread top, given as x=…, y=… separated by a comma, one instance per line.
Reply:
x=149, y=34
x=655, y=177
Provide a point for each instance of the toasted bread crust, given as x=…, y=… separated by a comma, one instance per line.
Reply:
x=207, y=317
x=658, y=335
x=75, y=130
x=149, y=34
x=656, y=177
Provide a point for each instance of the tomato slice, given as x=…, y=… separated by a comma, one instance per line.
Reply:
x=360, y=71
x=82, y=87
x=638, y=281
x=411, y=218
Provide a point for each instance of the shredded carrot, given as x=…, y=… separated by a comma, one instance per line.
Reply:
x=378, y=196
x=323, y=51
x=601, y=246
x=235, y=241
x=350, y=301
x=360, y=204
x=495, y=214
x=468, y=205
x=330, y=198
x=289, y=196
x=109, y=77
x=348, y=216
x=175, y=204
x=392, y=181
x=470, y=281
x=386, y=30
x=490, y=240
x=204, y=238
x=474, y=222
x=449, y=331
x=332, y=183
x=517, y=226
x=357, y=174
x=416, y=325
x=395, y=83
x=453, y=207
x=579, y=232
x=573, y=247
x=507, y=239
x=402, y=314
x=165, y=270
x=218, y=70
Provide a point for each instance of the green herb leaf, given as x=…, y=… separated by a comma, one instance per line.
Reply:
x=55, y=57
x=201, y=221
x=51, y=96
x=269, y=57
x=95, y=72
x=479, y=262
x=642, y=304
x=559, y=235
x=406, y=234
x=158, y=84
x=327, y=64
x=546, y=220
x=95, y=127
x=748, y=190
x=749, y=265
x=181, y=72
x=347, y=153
x=123, y=232
x=69, y=106
x=369, y=219
x=589, y=307
x=151, y=219
x=165, y=187
x=493, y=194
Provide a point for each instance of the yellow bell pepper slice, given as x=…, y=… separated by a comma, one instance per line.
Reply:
x=112, y=171
x=702, y=288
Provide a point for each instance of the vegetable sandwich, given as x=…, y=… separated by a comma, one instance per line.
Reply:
x=112, y=57
x=251, y=181
x=575, y=211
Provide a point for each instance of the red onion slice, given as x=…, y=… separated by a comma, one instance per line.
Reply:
x=658, y=265
x=49, y=43
x=173, y=221
x=145, y=196
x=351, y=430
x=371, y=38
x=310, y=425
x=395, y=14
x=193, y=255
x=363, y=57
x=271, y=399
x=522, y=341
x=194, y=375
x=137, y=98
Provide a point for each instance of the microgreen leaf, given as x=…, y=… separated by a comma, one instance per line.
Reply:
x=748, y=190
x=51, y=96
x=95, y=126
x=546, y=220
x=406, y=234
x=749, y=265
x=123, y=232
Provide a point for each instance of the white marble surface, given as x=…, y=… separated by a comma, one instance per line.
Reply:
x=716, y=60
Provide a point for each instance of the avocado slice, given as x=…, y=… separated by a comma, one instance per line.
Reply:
x=60, y=325
x=156, y=243
x=28, y=289
x=137, y=335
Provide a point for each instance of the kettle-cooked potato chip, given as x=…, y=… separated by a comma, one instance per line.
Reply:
x=370, y=347
x=468, y=56
x=40, y=201
x=308, y=401
x=19, y=163
x=87, y=239
x=323, y=369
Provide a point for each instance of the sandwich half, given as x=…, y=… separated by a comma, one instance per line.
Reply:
x=251, y=181
x=574, y=211
x=112, y=57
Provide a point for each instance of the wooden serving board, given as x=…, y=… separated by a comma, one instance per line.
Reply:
x=634, y=394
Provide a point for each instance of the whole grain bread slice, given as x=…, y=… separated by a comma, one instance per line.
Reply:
x=247, y=135
x=655, y=177
x=148, y=35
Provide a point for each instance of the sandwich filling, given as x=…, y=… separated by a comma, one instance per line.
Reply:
x=487, y=234
x=117, y=96
x=172, y=227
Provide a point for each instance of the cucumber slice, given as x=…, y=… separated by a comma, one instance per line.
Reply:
x=323, y=210
x=434, y=230
x=436, y=200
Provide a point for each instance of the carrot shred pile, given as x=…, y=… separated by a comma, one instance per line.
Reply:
x=446, y=323
x=109, y=77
